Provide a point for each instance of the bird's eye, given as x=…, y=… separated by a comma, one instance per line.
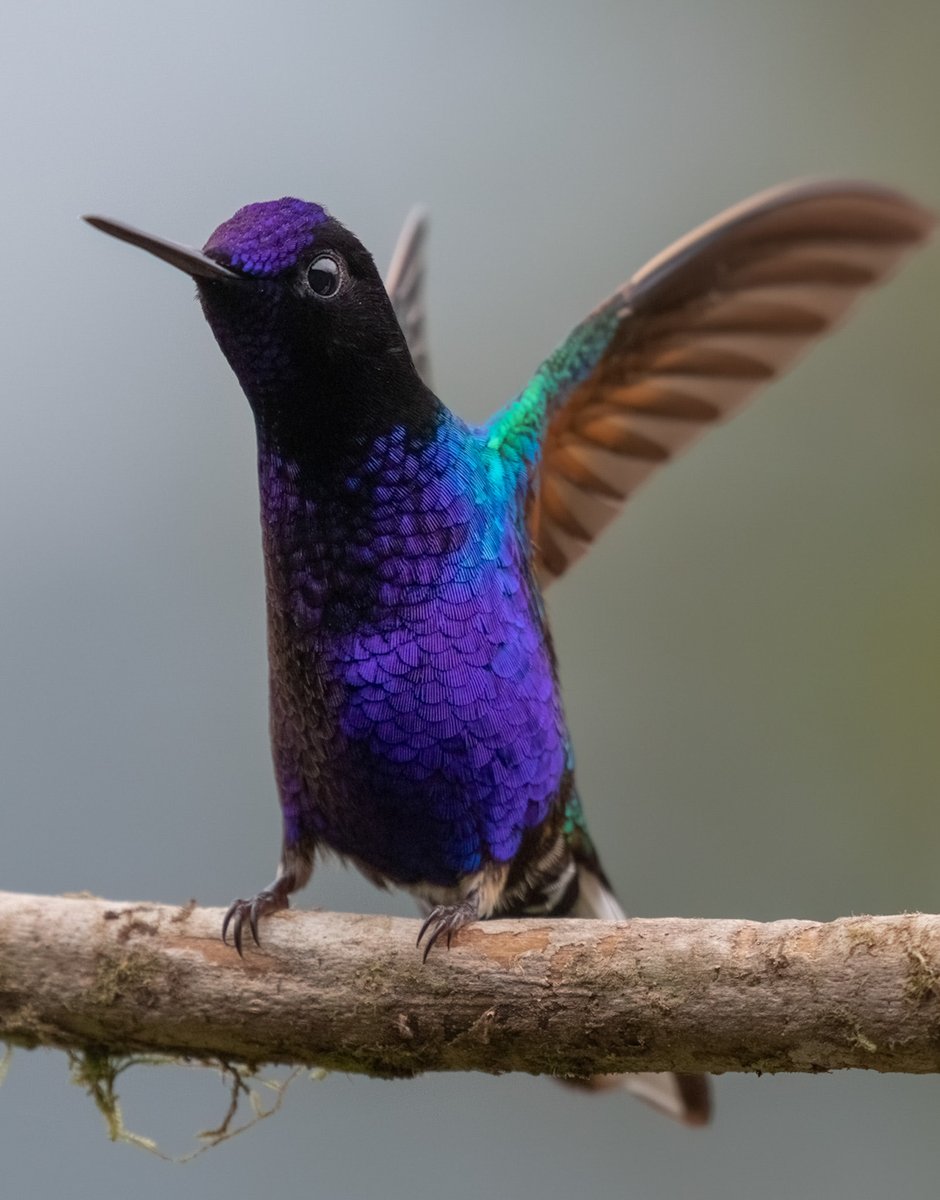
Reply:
x=323, y=276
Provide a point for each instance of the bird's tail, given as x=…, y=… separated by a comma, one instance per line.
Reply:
x=685, y=1097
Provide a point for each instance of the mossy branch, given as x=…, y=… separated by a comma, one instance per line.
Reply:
x=547, y=997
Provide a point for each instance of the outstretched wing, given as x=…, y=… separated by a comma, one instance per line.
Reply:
x=689, y=339
x=404, y=282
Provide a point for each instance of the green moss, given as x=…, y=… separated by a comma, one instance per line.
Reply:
x=5, y=1060
x=128, y=975
x=97, y=1072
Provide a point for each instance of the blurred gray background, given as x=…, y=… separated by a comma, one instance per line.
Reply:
x=751, y=657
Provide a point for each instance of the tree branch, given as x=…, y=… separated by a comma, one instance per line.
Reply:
x=560, y=997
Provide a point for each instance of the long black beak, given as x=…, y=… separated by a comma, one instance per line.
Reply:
x=193, y=262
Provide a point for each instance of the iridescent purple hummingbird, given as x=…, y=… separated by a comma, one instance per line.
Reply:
x=416, y=717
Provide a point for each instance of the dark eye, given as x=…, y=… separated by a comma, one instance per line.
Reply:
x=323, y=276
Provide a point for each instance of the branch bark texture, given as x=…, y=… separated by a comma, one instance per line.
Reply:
x=547, y=997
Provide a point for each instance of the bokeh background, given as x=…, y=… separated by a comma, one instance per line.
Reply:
x=751, y=657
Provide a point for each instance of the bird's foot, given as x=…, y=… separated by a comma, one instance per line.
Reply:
x=268, y=900
x=446, y=919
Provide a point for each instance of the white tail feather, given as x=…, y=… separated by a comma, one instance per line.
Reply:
x=683, y=1097
x=595, y=900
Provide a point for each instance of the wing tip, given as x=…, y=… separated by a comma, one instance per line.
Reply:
x=911, y=222
x=410, y=242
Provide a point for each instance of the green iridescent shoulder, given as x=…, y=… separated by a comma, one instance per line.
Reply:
x=575, y=830
x=516, y=431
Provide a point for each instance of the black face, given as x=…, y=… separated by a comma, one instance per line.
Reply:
x=328, y=314
x=317, y=348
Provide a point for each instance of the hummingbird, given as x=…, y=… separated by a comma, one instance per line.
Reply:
x=416, y=718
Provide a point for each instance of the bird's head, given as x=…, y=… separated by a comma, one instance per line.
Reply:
x=299, y=310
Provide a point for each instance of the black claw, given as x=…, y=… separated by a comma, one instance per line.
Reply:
x=236, y=913
x=446, y=918
x=424, y=928
x=251, y=911
x=435, y=934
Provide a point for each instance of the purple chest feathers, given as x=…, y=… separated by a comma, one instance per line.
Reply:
x=416, y=721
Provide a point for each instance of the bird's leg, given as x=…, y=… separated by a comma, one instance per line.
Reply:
x=447, y=919
x=293, y=872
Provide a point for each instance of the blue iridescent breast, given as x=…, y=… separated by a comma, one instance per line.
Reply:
x=447, y=738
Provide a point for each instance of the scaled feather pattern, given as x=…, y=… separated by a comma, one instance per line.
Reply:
x=442, y=737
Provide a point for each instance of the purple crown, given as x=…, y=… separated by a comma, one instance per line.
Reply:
x=266, y=238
